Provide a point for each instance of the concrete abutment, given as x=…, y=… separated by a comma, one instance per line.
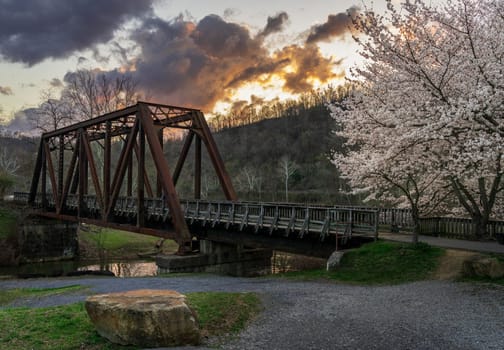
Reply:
x=43, y=239
x=220, y=258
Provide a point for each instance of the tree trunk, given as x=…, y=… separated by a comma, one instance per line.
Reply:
x=416, y=224
x=479, y=226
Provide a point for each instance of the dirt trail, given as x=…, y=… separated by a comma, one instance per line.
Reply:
x=450, y=265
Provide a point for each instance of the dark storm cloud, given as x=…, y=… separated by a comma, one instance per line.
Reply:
x=251, y=73
x=275, y=24
x=219, y=38
x=33, y=30
x=336, y=25
x=5, y=90
x=192, y=63
x=199, y=63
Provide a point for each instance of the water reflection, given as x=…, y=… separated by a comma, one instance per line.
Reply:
x=135, y=268
x=282, y=262
x=125, y=269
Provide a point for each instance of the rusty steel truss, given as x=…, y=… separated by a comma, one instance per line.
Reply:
x=67, y=166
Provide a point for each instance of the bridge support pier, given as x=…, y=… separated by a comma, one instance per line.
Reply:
x=42, y=239
x=220, y=258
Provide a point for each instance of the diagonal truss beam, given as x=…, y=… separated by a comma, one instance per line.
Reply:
x=172, y=200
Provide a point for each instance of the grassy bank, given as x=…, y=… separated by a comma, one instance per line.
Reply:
x=381, y=263
x=114, y=244
x=68, y=327
x=7, y=296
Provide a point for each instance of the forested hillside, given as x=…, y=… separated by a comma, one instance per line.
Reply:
x=262, y=156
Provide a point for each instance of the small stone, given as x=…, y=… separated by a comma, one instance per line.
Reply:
x=481, y=266
x=146, y=318
x=333, y=263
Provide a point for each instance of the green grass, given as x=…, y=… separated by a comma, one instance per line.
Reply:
x=120, y=244
x=221, y=313
x=62, y=328
x=110, y=239
x=68, y=327
x=7, y=296
x=381, y=263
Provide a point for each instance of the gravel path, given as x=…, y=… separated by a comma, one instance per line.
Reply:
x=322, y=315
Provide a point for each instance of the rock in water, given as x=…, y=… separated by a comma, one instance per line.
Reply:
x=147, y=318
x=334, y=260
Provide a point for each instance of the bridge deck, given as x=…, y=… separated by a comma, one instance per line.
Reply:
x=293, y=221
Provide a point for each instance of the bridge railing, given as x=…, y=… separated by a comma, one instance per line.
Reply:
x=290, y=219
x=461, y=228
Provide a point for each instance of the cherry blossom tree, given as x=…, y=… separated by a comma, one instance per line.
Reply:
x=426, y=117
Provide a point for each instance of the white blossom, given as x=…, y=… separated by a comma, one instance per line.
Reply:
x=427, y=115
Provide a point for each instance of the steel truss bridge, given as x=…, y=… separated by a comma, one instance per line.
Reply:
x=95, y=172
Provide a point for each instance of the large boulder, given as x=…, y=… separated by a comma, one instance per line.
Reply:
x=146, y=318
x=483, y=266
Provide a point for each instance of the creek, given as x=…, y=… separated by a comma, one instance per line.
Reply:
x=281, y=262
x=126, y=268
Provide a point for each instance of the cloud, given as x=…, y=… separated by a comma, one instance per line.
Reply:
x=336, y=25
x=5, y=90
x=253, y=72
x=220, y=39
x=23, y=122
x=199, y=63
x=55, y=82
x=307, y=63
x=33, y=30
x=230, y=12
x=275, y=24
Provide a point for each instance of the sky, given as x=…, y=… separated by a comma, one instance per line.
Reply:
x=201, y=54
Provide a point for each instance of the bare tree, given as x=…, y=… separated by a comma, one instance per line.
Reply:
x=8, y=162
x=94, y=92
x=287, y=168
x=53, y=113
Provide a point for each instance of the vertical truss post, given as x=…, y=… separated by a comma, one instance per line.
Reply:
x=141, y=178
x=43, y=186
x=106, y=164
x=82, y=175
x=146, y=180
x=159, y=186
x=197, y=168
x=61, y=160
x=85, y=172
x=129, y=185
x=69, y=177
